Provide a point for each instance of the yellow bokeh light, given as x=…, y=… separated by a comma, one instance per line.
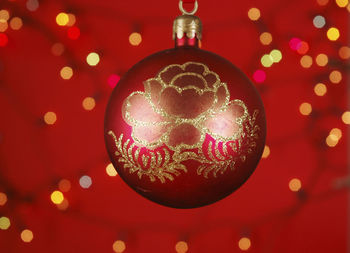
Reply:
x=342, y=3
x=62, y=19
x=16, y=23
x=244, y=243
x=64, y=205
x=348, y=7
x=71, y=19
x=336, y=132
x=93, y=59
x=181, y=247
x=344, y=52
x=266, y=152
x=57, y=49
x=3, y=198
x=333, y=34
x=110, y=170
x=321, y=60
x=4, y=223
x=322, y=2
x=266, y=38
x=3, y=25
x=57, y=197
x=266, y=60
x=27, y=235
x=66, y=73
x=4, y=15
x=346, y=117
x=295, y=184
x=306, y=61
x=89, y=103
x=320, y=89
x=50, y=118
x=305, y=108
x=64, y=185
x=335, y=76
x=119, y=246
x=332, y=140
x=254, y=14
x=276, y=55
x=135, y=39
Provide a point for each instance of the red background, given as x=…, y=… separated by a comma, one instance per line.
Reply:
x=36, y=156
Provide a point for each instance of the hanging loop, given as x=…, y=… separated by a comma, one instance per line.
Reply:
x=184, y=12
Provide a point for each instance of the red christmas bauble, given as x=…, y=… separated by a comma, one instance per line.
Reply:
x=184, y=127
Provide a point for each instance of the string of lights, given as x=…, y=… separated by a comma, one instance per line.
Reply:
x=14, y=16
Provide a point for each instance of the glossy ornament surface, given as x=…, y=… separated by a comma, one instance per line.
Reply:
x=184, y=127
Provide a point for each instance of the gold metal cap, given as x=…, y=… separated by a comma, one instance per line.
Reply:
x=187, y=25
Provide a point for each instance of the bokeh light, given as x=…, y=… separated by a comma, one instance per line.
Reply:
x=73, y=33
x=333, y=34
x=85, y=181
x=331, y=140
x=265, y=38
x=266, y=60
x=66, y=73
x=321, y=60
x=27, y=235
x=319, y=21
x=110, y=170
x=71, y=19
x=306, y=61
x=93, y=59
x=322, y=2
x=63, y=205
x=266, y=152
x=303, y=47
x=335, y=76
x=336, y=132
x=295, y=43
x=64, y=185
x=254, y=14
x=344, y=52
x=259, y=76
x=4, y=223
x=3, y=25
x=295, y=185
x=89, y=103
x=57, y=49
x=276, y=55
x=113, y=79
x=16, y=23
x=320, y=89
x=62, y=19
x=345, y=117
x=342, y=3
x=50, y=118
x=3, y=198
x=57, y=197
x=181, y=247
x=135, y=39
x=32, y=5
x=305, y=108
x=4, y=15
x=119, y=246
x=244, y=243
x=3, y=39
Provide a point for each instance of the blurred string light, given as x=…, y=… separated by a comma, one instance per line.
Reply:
x=32, y=5
x=112, y=80
x=3, y=199
x=110, y=170
x=346, y=117
x=92, y=59
x=266, y=152
x=64, y=185
x=57, y=49
x=3, y=39
x=294, y=184
x=27, y=235
x=4, y=223
x=57, y=197
x=119, y=246
x=321, y=60
x=16, y=23
x=305, y=108
x=335, y=76
x=322, y=2
x=85, y=182
x=266, y=60
x=135, y=38
x=254, y=14
x=306, y=61
x=3, y=25
x=89, y=103
x=319, y=21
x=259, y=76
x=265, y=38
x=302, y=47
x=342, y=3
x=63, y=205
x=181, y=247
x=73, y=33
x=244, y=243
x=4, y=15
x=62, y=19
x=71, y=19
x=344, y=52
x=320, y=89
x=333, y=34
x=66, y=73
x=295, y=43
x=276, y=55
x=50, y=118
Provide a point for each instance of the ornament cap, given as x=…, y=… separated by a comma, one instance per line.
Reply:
x=187, y=25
